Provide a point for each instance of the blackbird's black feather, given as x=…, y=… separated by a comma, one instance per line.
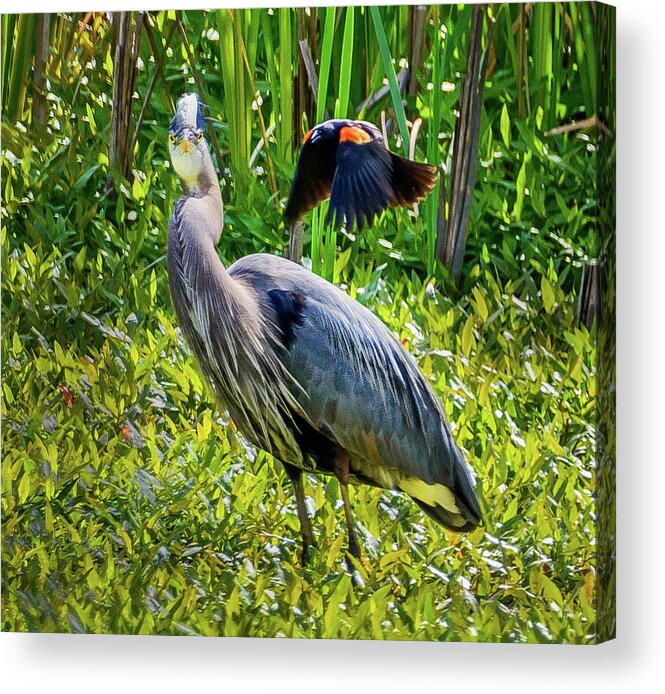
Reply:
x=409, y=179
x=362, y=186
x=347, y=161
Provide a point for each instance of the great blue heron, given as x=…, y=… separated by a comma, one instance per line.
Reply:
x=347, y=161
x=306, y=372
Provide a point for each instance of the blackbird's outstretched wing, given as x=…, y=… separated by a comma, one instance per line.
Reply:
x=362, y=187
x=314, y=177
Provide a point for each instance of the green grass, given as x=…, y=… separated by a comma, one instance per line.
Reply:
x=129, y=504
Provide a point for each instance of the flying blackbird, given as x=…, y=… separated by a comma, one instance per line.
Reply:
x=347, y=161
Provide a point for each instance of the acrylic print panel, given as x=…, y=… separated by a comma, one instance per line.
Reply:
x=201, y=435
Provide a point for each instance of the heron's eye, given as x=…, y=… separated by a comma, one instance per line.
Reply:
x=172, y=138
x=199, y=137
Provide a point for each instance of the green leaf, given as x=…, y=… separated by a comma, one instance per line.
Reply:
x=85, y=177
x=79, y=260
x=30, y=255
x=91, y=119
x=24, y=486
x=547, y=292
x=153, y=286
x=481, y=305
x=521, y=187
x=505, y=126
x=137, y=190
x=468, y=339
x=59, y=354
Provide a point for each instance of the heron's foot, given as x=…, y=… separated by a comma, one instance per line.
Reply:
x=354, y=561
x=342, y=472
x=355, y=568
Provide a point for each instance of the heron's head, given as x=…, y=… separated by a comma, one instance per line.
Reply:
x=187, y=145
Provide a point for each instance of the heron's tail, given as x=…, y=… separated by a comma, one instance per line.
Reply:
x=454, y=505
x=455, y=522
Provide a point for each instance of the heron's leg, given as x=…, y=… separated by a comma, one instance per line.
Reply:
x=295, y=475
x=342, y=473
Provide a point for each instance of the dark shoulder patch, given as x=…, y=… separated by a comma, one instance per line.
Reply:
x=289, y=312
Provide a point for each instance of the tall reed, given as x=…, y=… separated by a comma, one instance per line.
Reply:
x=319, y=214
x=341, y=111
x=18, y=56
x=236, y=97
x=389, y=68
x=542, y=43
x=583, y=24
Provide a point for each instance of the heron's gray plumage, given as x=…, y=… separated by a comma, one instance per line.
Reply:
x=360, y=387
x=303, y=369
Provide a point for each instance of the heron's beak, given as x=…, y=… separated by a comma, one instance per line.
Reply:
x=185, y=146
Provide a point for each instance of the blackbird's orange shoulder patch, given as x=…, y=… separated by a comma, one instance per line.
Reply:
x=353, y=133
x=308, y=135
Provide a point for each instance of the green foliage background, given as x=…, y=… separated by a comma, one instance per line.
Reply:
x=130, y=504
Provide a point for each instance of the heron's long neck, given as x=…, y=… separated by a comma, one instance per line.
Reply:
x=205, y=198
x=195, y=229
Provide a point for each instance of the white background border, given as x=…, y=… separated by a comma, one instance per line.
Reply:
x=634, y=661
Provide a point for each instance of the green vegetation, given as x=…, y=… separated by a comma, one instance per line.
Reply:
x=129, y=503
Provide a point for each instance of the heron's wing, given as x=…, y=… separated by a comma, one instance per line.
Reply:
x=359, y=383
x=313, y=178
x=364, y=391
